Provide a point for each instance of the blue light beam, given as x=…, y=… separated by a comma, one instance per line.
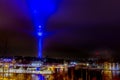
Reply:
x=40, y=11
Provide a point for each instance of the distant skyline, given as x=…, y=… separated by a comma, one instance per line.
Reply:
x=77, y=28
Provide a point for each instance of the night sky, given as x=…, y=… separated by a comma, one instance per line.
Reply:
x=78, y=28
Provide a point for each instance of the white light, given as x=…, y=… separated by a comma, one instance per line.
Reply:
x=39, y=26
x=39, y=33
x=36, y=64
x=74, y=63
x=87, y=64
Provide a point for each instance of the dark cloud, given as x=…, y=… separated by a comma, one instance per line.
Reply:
x=16, y=29
x=83, y=26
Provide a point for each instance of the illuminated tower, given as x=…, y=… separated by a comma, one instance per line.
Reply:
x=40, y=11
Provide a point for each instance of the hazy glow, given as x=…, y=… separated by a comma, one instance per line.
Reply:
x=39, y=33
x=40, y=26
x=40, y=11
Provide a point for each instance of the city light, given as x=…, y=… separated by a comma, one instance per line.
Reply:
x=7, y=60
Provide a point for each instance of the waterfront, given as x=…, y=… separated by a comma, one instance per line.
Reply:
x=110, y=72
x=94, y=75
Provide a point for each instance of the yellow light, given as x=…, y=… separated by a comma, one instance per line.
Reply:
x=6, y=65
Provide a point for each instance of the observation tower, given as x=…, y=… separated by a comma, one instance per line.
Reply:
x=40, y=11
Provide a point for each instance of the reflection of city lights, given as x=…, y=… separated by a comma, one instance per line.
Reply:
x=110, y=70
x=115, y=66
x=33, y=75
x=6, y=65
x=46, y=72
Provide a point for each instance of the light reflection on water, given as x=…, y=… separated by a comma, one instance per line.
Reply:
x=111, y=71
x=37, y=77
x=106, y=74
